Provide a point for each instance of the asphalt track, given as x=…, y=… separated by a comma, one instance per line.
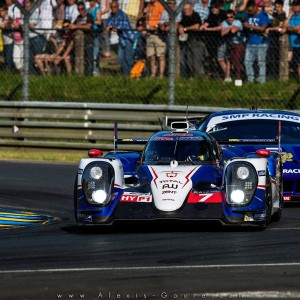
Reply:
x=58, y=261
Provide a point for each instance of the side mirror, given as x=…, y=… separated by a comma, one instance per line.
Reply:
x=94, y=153
x=263, y=153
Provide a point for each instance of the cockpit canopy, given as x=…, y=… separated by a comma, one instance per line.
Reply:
x=194, y=149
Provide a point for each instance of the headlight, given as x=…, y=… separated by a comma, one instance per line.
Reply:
x=99, y=196
x=242, y=173
x=237, y=196
x=241, y=182
x=96, y=173
x=98, y=182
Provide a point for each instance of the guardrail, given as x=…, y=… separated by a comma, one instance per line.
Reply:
x=82, y=125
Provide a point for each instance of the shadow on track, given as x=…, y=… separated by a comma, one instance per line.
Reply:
x=162, y=227
x=291, y=204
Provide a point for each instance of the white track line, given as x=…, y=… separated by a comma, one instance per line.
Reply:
x=149, y=268
x=287, y=228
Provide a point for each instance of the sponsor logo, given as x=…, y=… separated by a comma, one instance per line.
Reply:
x=169, y=192
x=205, y=197
x=250, y=116
x=291, y=171
x=261, y=115
x=286, y=157
x=252, y=140
x=261, y=173
x=171, y=174
x=161, y=138
x=274, y=149
x=170, y=186
x=170, y=181
x=178, y=134
x=287, y=198
x=192, y=138
x=136, y=197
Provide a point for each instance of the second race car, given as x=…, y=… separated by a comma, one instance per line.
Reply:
x=243, y=131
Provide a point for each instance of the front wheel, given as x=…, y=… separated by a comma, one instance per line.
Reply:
x=277, y=216
x=268, y=205
x=75, y=199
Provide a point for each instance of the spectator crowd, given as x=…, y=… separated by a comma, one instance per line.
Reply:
x=236, y=40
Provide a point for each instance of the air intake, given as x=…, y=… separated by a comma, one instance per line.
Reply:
x=180, y=126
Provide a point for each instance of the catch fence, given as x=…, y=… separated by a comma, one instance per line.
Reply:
x=180, y=84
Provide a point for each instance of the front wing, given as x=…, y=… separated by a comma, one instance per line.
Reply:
x=209, y=206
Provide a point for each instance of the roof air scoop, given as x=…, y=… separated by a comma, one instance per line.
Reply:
x=180, y=126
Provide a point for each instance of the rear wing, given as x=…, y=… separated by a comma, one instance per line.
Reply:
x=248, y=141
x=118, y=141
x=276, y=141
x=193, y=122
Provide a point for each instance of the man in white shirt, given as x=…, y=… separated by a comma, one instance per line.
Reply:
x=14, y=14
x=36, y=40
x=71, y=11
x=13, y=11
x=47, y=8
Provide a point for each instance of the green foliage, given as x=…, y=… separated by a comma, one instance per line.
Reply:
x=121, y=89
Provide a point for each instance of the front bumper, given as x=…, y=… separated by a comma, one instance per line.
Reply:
x=133, y=212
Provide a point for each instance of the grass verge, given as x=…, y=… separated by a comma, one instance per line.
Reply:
x=62, y=156
x=121, y=89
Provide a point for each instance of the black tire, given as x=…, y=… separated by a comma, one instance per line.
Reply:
x=277, y=215
x=75, y=199
x=268, y=206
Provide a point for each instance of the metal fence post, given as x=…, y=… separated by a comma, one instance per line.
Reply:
x=25, y=88
x=79, y=52
x=26, y=45
x=172, y=47
x=283, y=60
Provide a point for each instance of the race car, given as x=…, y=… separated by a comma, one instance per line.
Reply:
x=180, y=176
x=243, y=131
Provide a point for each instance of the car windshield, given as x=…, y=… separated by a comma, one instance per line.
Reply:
x=189, y=152
x=258, y=129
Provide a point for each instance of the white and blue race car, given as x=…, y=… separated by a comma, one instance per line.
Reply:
x=243, y=131
x=180, y=176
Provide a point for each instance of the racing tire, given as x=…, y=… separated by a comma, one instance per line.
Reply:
x=75, y=199
x=268, y=206
x=277, y=215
